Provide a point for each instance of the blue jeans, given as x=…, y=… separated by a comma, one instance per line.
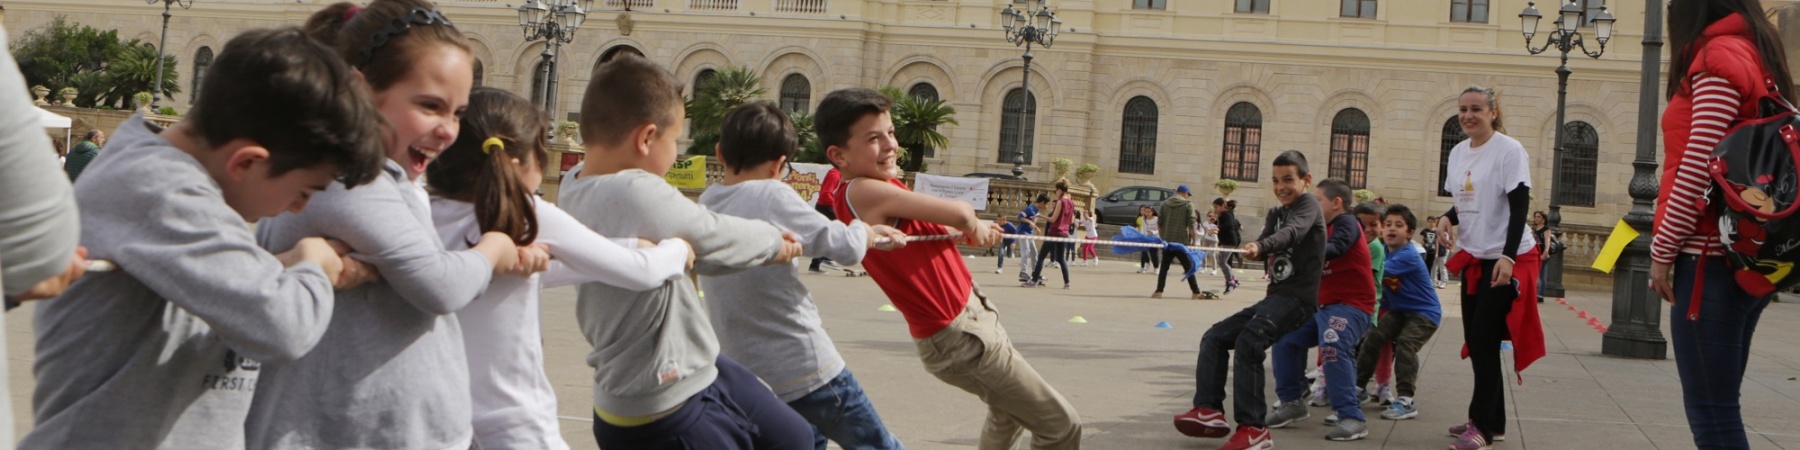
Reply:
x=841, y=412
x=1336, y=330
x=1710, y=353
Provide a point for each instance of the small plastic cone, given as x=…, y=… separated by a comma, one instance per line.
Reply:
x=1077, y=319
x=1164, y=325
x=888, y=308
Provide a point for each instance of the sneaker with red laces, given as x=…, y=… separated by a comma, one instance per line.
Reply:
x=1470, y=440
x=1250, y=438
x=1466, y=426
x=1202, y=423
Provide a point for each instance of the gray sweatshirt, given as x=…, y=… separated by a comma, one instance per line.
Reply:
x=142, y=357
x=772, y=326
x=38, y=222
x=390, y=372
x=654, y=349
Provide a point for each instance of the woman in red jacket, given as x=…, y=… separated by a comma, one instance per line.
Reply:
x=1726, y=56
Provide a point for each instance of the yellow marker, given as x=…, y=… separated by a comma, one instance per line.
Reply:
x=888, y=308
x=1622, y=235
x=1077, y=319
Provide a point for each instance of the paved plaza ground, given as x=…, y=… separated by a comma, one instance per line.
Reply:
x=1127, y=377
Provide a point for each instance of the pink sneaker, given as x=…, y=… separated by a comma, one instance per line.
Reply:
x=1470, y=440
x=1203, y=423
x=1466, y=426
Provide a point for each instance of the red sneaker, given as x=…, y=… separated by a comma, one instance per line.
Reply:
x=1202, y=423
x=1250, y=438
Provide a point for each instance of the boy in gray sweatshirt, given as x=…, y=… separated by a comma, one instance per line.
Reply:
x=658, y=380
x=161, y=352
x=772, y=326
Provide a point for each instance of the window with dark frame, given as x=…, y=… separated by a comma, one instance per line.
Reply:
x=1360, y=9
x=202, y=61
x=1019, y=106
x=1243, y=142
x=1149, y=4
x=1253, y=6
x=480, y=73
x=702, y=80
x=796, y=94
x=1452, y=135
x=1469, y=11
x=538, y=79
x=1350, y=148
x=1137, y=137
x=1580, y=165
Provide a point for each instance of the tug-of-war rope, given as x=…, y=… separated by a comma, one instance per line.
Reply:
x=1073, y=240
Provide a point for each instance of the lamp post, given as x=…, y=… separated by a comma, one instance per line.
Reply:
x=1565, y=38
x=554, y=22
x=1636, y=330
x=156, y=89
x=1032, y=25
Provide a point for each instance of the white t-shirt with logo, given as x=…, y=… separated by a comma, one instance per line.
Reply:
x=1479, y=178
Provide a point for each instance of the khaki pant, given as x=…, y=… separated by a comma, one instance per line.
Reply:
x=974, y=353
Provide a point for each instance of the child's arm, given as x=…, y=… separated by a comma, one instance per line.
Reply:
x=722, y=244
x=584, y=256
x=379, y=225
x=1301, y=217
x=881, y=202
x=208, y=264
x=822, y=237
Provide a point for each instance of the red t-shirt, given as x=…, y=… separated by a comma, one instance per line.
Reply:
x=1350, y=278
x=828, y=189
x=926, y=280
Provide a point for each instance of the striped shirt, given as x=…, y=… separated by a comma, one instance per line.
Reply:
x=1715, y=107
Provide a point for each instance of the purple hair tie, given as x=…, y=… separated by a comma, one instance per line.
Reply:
x=348, y=13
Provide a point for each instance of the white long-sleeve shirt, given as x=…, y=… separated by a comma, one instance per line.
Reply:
x=514, y=405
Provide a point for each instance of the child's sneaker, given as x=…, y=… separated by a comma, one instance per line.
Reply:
x=1348, y=430
x=1401, y=409
x=1466, y=426
x=1331, y=419
x=1140, y=269
x=1318, y=396
x=1250, y=438
x=1031, y=284
x=998, y=270
x=1065, y=286
x=1384, y=393
x=1287, y=413
x=1470, y=440
x=1203, y=423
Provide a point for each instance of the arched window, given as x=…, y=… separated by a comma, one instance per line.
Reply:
x=1243, y=142
x=202, y=61
x=539, y=78
x=702, y=80
x=1018, y=123
x=480, y=72
x=1137, y=138
x=1580, y=164
x=796, y=94
x=926, y=92
x=1452, y=135
x=617, y=51
x=1350, y=148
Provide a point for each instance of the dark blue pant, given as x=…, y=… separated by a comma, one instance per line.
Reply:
x=1710, y=353
x=737, y=412
x=1250, y=333
x=1056, y=251
x=1169, y=258
x=840, y=411
x=1335, y=330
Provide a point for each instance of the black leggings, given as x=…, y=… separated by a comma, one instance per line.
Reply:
x=1484, y=326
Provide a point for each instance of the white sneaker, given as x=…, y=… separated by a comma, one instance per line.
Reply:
x=998, y=270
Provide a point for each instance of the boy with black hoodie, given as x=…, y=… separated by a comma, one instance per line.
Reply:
x=1294, y=250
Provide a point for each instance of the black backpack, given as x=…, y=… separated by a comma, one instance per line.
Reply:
x=1757, y=185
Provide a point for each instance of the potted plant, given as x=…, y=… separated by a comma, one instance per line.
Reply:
x=68, y=95
x=1226, y=187
x=40, y=92
x=142, y=100
x=1061, y=168
x=569, y=131
x=1363, y=196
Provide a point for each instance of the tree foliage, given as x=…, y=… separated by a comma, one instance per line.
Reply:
x=916, y=121
x=729, y=87
x=105, y=69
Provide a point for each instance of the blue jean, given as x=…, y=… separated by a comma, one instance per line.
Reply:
x=1711, y=352
x=1336, y=330
x=841, y=412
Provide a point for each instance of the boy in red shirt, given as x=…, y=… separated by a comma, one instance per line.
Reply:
x=1346, y=303
x=957, y=332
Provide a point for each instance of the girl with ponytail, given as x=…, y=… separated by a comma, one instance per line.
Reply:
x=484, y=183
x=390, y=370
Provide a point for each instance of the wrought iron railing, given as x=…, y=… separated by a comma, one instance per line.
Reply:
x=801, y=6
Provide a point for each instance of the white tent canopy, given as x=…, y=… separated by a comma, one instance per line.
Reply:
x=52, y=120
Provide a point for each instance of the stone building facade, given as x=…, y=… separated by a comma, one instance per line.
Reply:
x=1153, y=91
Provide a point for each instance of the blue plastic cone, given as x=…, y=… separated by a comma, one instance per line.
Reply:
x=1164, y=325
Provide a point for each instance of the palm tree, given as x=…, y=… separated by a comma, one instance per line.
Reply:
x=133, y=70
x=729, y=87
x=916, y=121
x=810, y=150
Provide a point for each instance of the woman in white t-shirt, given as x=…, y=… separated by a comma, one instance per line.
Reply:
x=1489, y=178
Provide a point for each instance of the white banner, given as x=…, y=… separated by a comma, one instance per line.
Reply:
x=973, y=191
x=808, y=180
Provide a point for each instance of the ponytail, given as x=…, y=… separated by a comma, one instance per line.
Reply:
x=498, y=129
x=501, y=201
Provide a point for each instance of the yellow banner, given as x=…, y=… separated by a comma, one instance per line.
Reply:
x=688, y=174
x=1622, y=235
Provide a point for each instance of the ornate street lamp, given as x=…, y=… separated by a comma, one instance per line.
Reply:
x=1636, y=330
x=156, y=89
x=554, y=22
x=1565, y=38
x=1033, y=25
